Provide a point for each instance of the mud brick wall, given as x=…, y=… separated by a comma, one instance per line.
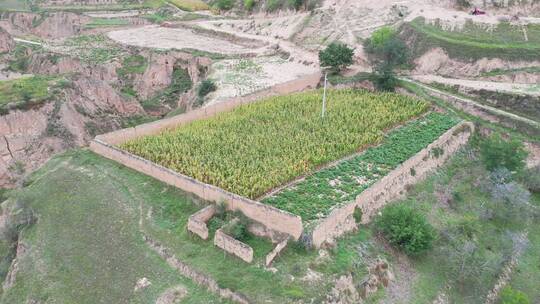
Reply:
x=392, y=186
x=197, y=221
x=275, y=252
x=269, y=216
x=233, y=246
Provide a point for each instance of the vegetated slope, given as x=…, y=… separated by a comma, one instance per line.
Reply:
x=477, y=230
x=86, y=246
x=259, y=146
x=475, y=41
x=315, y=196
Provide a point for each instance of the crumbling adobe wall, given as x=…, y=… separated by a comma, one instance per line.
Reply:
x=393, y=186
x=197, y=221
x=233, y=246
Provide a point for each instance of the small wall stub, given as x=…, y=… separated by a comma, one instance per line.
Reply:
x=275, y=252
x=393, y=185
x=197, y=221
x=233, y=246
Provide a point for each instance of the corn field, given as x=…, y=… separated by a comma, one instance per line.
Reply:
x=259, y=146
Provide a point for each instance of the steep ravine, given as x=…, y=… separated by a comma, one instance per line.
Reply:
x=92, y=100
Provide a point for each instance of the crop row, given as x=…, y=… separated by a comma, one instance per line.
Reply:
x=257, y=147
x=316, y=195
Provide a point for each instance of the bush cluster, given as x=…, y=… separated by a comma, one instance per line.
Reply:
x=406, y=228
x=497, y=152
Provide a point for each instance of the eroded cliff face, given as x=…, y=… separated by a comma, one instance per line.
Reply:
x=88, y=104
x=7, y=44
x=45, y=25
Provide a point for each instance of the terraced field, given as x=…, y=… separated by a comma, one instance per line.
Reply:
x=475, y=41
x=315, y=196
x=257, y=147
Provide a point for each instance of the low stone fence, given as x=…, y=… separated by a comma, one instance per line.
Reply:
x=197, y=221
x=276, y=251
x=393, y=185
x=233, y=246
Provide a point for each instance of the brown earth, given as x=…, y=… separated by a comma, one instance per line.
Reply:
x=7, y=44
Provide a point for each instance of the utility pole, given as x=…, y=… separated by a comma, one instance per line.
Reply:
x=324, y=95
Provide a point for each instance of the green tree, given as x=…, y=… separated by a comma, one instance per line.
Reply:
x=406, y=228
x=387, y=52
x=497, y=152
x=224, y=5
x=336, y=56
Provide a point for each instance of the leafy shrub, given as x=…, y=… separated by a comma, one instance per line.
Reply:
x=296, y=4
x=379, y=38
x=512, y=296
x=273, y=5
x=497, y=152
x=206, y=87
x=336, y=56
x=357, y=215
x=532, y=179
x=406, y=228
x=249, y=4
x=224, y=5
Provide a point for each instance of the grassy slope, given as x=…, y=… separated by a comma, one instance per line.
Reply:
x=87, y=235
x=475, y=41
x=461, y=179
x=13, y=5
x=28, y=90
x=187, y=5
x=86, y=247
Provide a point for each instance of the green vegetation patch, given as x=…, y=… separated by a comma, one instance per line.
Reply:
x=86, y=246
x=26, y=91
x=95, y=49
x=256, y=147
x=315, y=196
x=189, y=5
x=475, y=41
x=106, y=22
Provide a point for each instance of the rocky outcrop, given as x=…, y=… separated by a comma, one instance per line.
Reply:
x=6, y=42
x=158, y=75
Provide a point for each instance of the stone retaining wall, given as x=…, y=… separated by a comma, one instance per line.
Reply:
x=233, y=246
x=197, y=221
x=393, y=185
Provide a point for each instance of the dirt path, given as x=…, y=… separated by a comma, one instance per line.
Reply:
x=475, y=104
x=516, y=88
x=297, y=53
x=154, y=36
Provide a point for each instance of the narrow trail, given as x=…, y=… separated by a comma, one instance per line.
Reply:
x=474, y=103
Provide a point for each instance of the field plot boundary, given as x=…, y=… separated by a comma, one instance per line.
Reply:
x=269, y=216
x=393, y=185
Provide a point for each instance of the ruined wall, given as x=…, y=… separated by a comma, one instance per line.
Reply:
x=393, y=185
x=233, y=246
x=197, y=221
x=275, y=252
